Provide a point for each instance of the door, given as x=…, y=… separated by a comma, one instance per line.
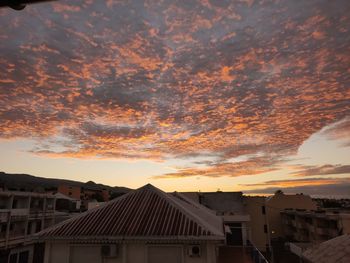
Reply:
x=235, y=237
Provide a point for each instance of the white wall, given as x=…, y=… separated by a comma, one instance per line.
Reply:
x=59, y=252
x=85, y=253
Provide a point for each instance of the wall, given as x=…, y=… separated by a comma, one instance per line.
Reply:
x=57, y=252
x=346, y=224
x=258, y=220
x=60, y=252
x=74, y=190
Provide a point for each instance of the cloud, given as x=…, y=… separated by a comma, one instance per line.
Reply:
x=339, y=131
x=161, y=80
x=322, y=170
x=252, y=166
x=327, y=190
x=300, y=182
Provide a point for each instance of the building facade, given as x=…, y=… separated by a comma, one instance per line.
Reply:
x=255, y=207
x=23, y=214
x=314, y=226
x=278, y=203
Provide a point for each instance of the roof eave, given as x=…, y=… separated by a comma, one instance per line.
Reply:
x=131, y=238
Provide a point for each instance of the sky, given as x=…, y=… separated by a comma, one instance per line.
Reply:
x=236, y=95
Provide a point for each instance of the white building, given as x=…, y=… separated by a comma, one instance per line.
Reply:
x=22, y=215
x=143, y=226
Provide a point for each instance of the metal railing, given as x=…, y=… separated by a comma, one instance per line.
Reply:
x=255, y=254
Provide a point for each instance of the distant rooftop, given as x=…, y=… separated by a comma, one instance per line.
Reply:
x=219, y=201
x=317, y=213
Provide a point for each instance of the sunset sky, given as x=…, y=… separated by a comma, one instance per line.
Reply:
x=236, y=95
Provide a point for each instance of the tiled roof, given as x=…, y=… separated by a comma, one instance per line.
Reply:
x=336, y=250
x=144, y=213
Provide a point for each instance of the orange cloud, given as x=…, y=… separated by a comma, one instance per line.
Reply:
x=160, y=81
x=301, y=182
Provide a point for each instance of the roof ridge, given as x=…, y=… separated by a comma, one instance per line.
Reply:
x=183, y=209
x=169, y=211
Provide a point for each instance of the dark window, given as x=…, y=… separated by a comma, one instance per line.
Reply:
x=38, y=254
x=29, y=227
x=265, y=228
x=263, y=211
x=13, y=258
x=23, y=257
x=70, y=193
x=235, y=238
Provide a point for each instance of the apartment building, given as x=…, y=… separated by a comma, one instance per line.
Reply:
x=22, y=214
x=314, y=226
x=278, y=203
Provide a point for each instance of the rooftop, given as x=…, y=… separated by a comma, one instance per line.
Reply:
x=145, y=213
x=317, y=213
x=336, y=250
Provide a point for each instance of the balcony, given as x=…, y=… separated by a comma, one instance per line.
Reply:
x=240, y=254
x=19, y=212
x=4, y=215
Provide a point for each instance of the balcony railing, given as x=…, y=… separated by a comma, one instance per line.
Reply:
x=255, y=254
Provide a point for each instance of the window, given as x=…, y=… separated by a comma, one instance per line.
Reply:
x=70, y=193
x=29, y=228
x=263, y=210
x=3, y=228
x=38, y=226
x=23, y=257
x=13, y=258
x=265, y=228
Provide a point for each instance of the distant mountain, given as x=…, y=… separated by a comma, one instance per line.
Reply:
x=26, y=182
